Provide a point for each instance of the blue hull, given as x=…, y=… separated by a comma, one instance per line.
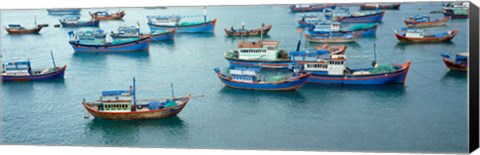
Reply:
x=377, y=17
x=283, y=64
x=365, y=32
x=398, y=76
x=289, y=85
x=203, y=27
x=161, y=37
x=139, y=45
x=54, y=75
x=86, y=24
x=63, y=11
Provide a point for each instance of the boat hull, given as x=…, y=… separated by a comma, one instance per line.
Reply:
x=137, y=115
x=63, y=11
x=255, y=32
x=282, y=64
x=440, y=22
x=398, y=76
x=318, y=8
x=139, y=45
x=115, y=16
x=453, y=66
x=164, y=36
x=94, y=23
x=402, y=38
x=24, y=31
x=354, y=38
x=395, y=6
x=53, y=75
x=284, y=85
x=365, y=32
x=203, y=27
x=377, y=17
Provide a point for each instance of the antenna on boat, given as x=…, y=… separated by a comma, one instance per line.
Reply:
x=134, y=96
x=35, y=18
x=173, y=95
x=205, y=14
x=53, y=59
x=261, y=31
x=299, y=39
x=374, y=62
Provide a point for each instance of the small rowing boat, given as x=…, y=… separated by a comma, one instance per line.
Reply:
x=123, y=105
x=460, y=63
x=424, y=21
x=245, y=32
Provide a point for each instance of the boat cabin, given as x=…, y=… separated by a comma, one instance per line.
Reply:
x=302, y=6
x=101, y=13
x=420, y=18
x=341, y=12
x=15, y=26
x=97, y=37
x=320, y=61
x=264, y=49
x=130, y=31
x=244, y=74
x=117, y=100
x=173, y=20
x=461, y=59
x=71, y=18
x=19, y=68
x=413, y=33
x=327, y=27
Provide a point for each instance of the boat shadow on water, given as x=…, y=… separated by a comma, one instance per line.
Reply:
x=251, y=96
x=194, y=35
x=404, y=45
x=89, y=55
x=455, y=75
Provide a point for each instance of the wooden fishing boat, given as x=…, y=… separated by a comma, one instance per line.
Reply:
x=337, y=28
x=424, y=21
x=134, y=32
x=311, y=8
x=22, y=71
x=459, y=10
x=344, y=15
x=331, y=69
x=19, y=29
x=64, y=11
x=247, y=78
x=123, y=105
x=74, y=21
x=98, y=41
x=419, y=36
x=244, y=32
x=156, y=23
x=104, y=15
x=328, y=38
x=375, y=6
x=265, y=54
x=460, y=63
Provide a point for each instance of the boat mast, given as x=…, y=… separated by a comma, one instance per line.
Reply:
x=299, y=39
x=374, y=62
x=205, y=14
x=134, y=96
x=35, y=19
x=53, y=60
x=173, y=95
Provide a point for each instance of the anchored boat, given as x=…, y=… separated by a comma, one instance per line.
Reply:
x=333, y=38
x=98, y=41
x=459, y=10
x=249, y=78
x=174, y=21
x=104, y=15
x=134, y=32
x=74, y=21
x=311, y=8
x=336, y=28
x=19, y=29
x=245, y=32
x=375, y=6
x=344, y=15
x=22, y=71
x=460, y=63
x=423, y=21
x=123, y=105
x=420, y=36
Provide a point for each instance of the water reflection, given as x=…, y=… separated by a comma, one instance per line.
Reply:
x=404, y=45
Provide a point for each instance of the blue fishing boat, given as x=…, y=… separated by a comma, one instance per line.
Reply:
x=367, y=29
x=22, y=71
x=174, y=21
x=311, y=8
x=460, y=63
x=423, y=21
x=308, y=21
x=98, y=41
x=331, y=69
x=64, y=11
x=134, y=32
x=74, y=21
x=344, y=15
x=249, y=78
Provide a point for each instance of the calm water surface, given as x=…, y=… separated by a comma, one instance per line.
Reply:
x=427, y=114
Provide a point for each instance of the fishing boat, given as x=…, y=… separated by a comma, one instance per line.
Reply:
x=74, y=21
x=333, y=38
x=423, y=21
x=308, y=21
x=331, y=69
x=22, y=71
x=174, y=21
x=19, y=29
x=419, y=35
x=460, y=63
x=249, y=78
x=344, y=15
x=311, y=8
x=375, y=6
x=123, y=105
x=245, y=32
x=134, y=32
x=104, y=15
x=64, y=11
x=459, y=10
x=367, y=29
x=98, y=41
